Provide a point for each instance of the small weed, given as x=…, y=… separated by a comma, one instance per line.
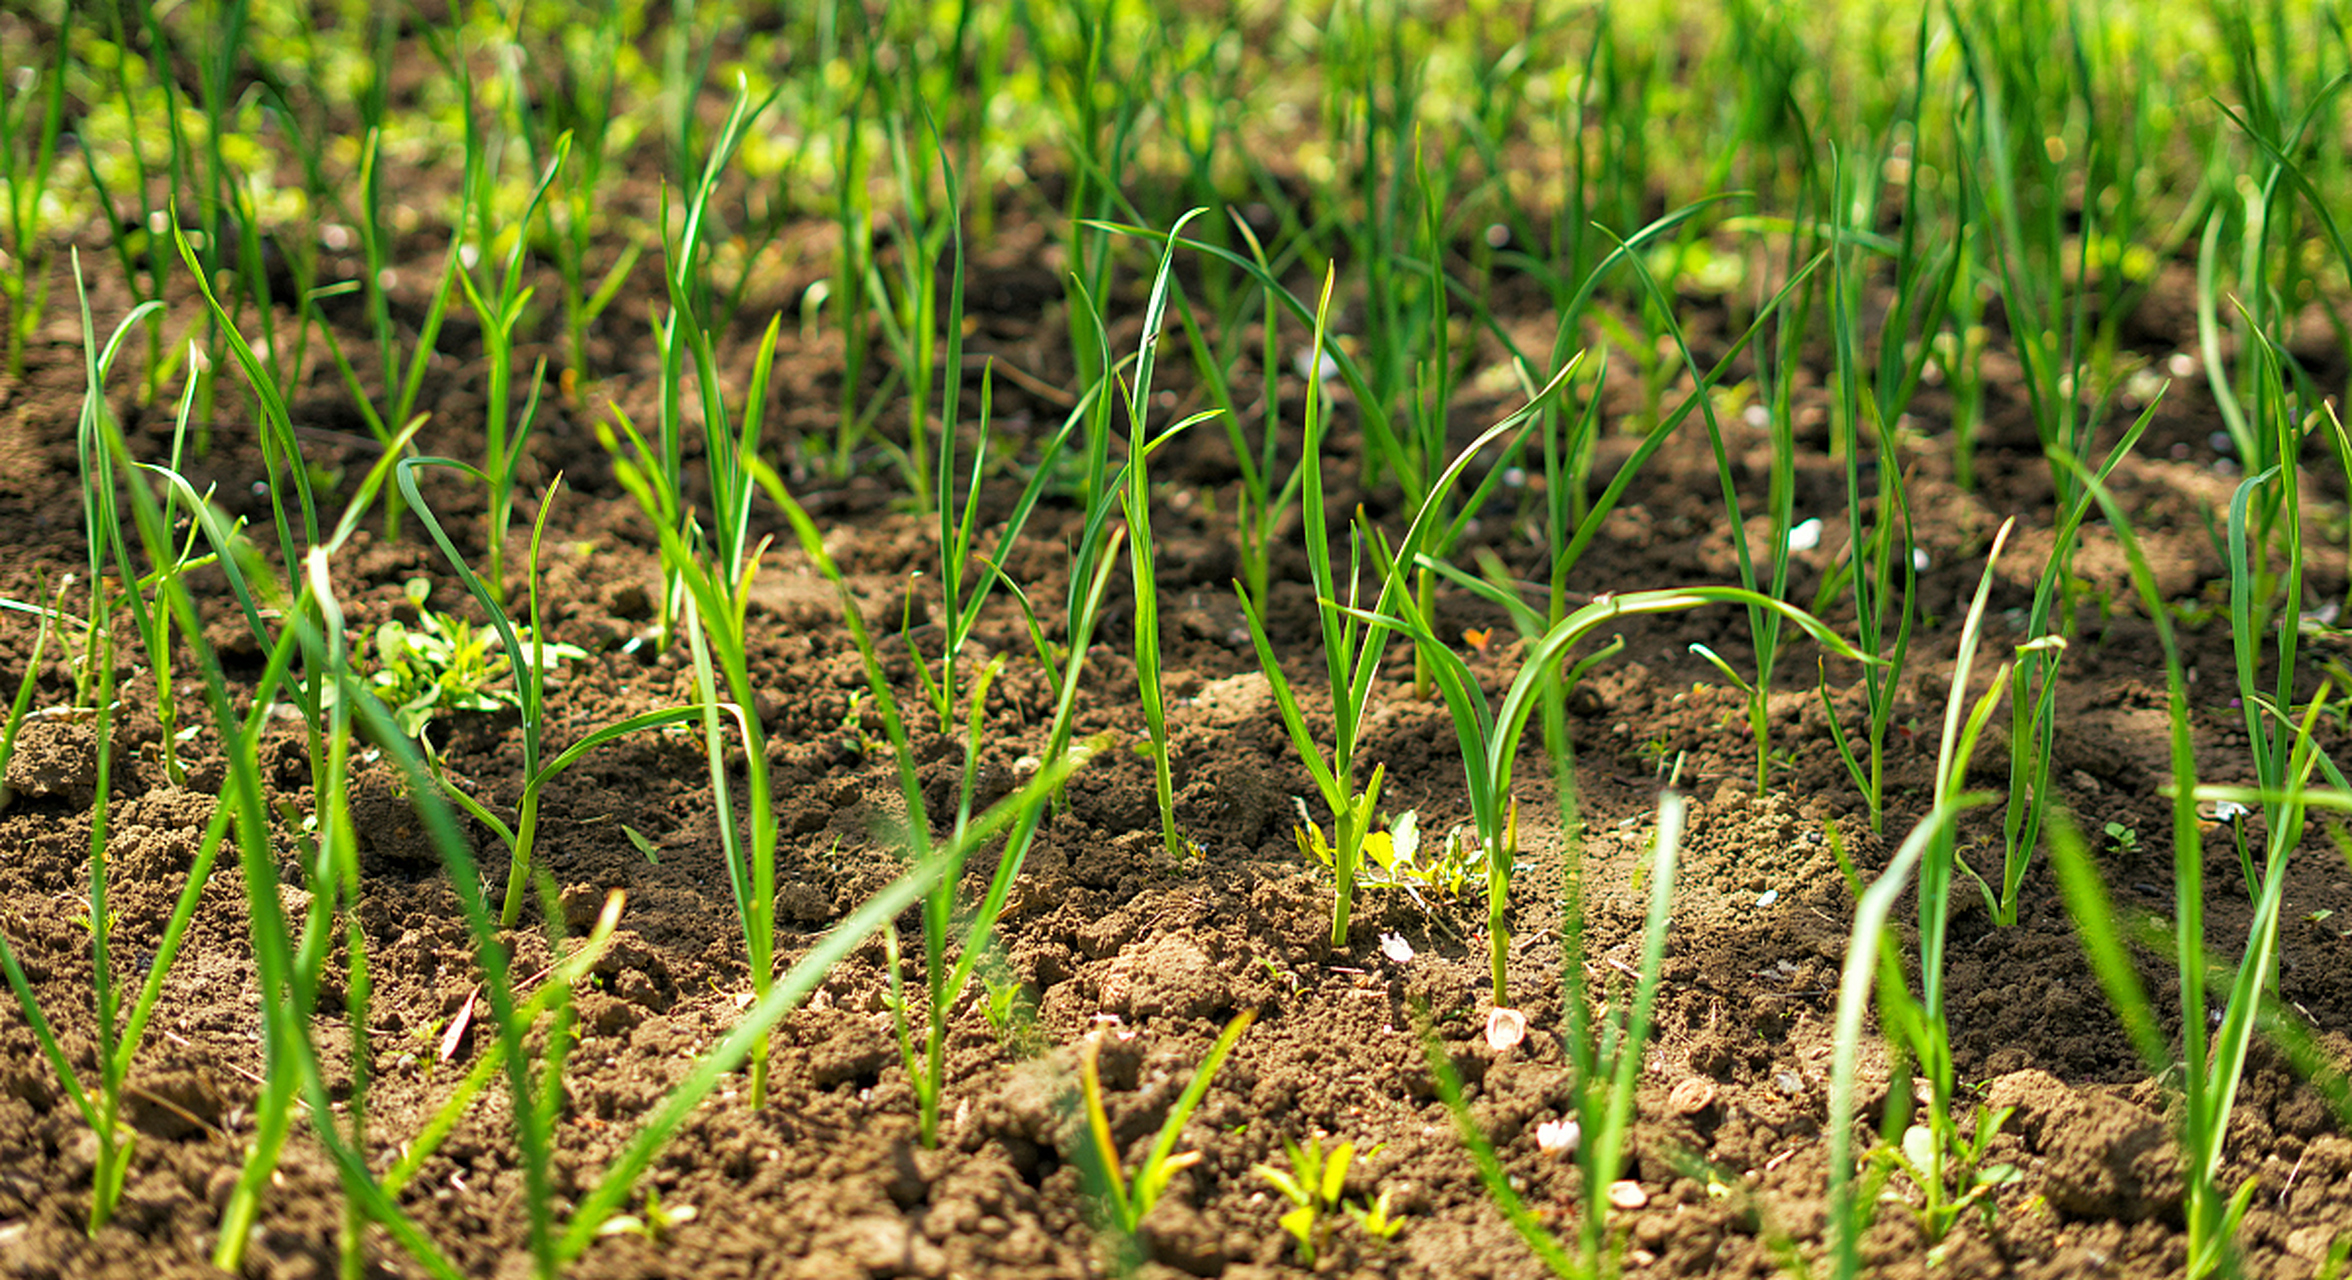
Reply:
x=1011, y=1009
x=643, y=844
x=655, y=1224
x=1375, y=1219
x=1402, y=859
x=1655, y=751
x=1313, y=1184
x=1963, y=1165
x=853, y=727
x=1398, y=858
x=445, y=664
x=81, y=920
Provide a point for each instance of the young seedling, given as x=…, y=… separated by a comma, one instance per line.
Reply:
x=101, y=1112
x=945, y=979
x=1126, y=1200
x=2215, y=1042
x=1398, y=858
x=445, y=665
x=717, y=602
x=309, y=629
x=2033, y=685
x=1880, y=569
x=1490, y=736
x=708, y=568
x=557, y=1245
x=964, y=592
x=1376, y=1220
x=1313, y=1185
x=655, y=1222
x=32, y=120
x=1351, y=656
x=1764, y=624
x=101, y=1106
x=500, y=311
x=1951, y=1183
x=1355, y=629
x=2268, y=603
x=1608, y=1060
x=401, y=383
x=1940, y=1156
x=1135, y=504
x=120, y=1031
x=683, y=336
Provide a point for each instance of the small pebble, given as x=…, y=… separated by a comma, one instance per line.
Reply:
x=1628, y=1194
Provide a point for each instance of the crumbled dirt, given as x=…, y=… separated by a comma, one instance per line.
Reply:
x=1109, y=936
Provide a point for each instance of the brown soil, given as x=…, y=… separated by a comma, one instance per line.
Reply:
x=1109, y=936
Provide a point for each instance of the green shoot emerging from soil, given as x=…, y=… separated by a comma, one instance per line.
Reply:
x=527, y=415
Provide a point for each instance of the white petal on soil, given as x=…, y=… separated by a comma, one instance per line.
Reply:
x=1919, y=559
x=1504, y=1028
x=1768, y=897
x=1558, y=1137
x=1394, y=946
x=1805, y=535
